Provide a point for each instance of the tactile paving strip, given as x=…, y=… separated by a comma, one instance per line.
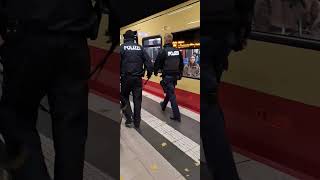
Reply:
x=192, y=115
x=185, y=144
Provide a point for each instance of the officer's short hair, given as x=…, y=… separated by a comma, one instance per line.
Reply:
x=129, y=34
x=168, y=37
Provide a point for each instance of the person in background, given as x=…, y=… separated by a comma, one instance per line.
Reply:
x=286, y=16
x=315, y=28
x=192, y=69
x=312, y=11
x=312, y=19
x=262, y=15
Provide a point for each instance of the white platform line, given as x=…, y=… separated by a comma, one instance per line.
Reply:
x=185, y=111
x=185, y=144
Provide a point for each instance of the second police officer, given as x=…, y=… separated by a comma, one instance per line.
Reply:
x=133, y=61
x=170, y=61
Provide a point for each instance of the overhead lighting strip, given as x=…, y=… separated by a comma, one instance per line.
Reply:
x=180, y=10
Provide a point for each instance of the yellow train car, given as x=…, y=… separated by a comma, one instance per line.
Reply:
x=271, y=99
x=179, y=20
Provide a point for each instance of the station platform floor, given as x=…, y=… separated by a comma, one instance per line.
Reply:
x=165, y=149
x=160, y=150
x=103, y=146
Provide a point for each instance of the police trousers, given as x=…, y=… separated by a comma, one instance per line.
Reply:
x=168, y=84
x=56, y=65
x=215, y=143
x=132, y=84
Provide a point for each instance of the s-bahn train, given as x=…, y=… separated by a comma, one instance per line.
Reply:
x=183, y=21
x=270, y=94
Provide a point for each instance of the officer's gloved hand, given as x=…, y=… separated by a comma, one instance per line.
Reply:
x=149, y=75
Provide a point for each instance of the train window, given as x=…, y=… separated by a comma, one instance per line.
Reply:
x=152, y=42
x=289, y=18
x=189, y=44
x=152, y=46
x=191, y=60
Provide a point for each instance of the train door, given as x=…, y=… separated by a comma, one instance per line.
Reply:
x=152, y=46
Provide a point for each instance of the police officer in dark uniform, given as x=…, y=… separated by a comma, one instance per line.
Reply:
x=225, y=26
x=170, y=61
x=134, y=60
x=46, y=53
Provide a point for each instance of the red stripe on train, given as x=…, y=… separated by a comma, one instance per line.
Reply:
x=107, y=84
x=279, y=132
x=185, y=99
